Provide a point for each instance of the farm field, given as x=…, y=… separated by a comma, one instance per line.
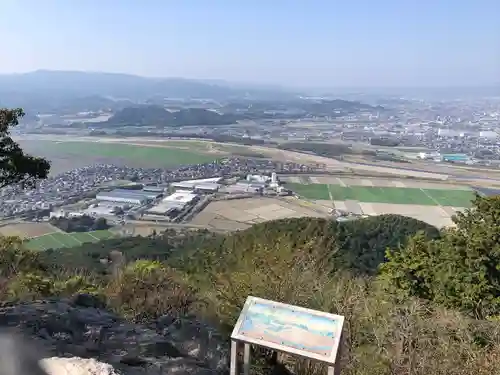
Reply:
x=66, y=155
x=163, y=155
x=64, y=240
x=392, y=195
x=27, y=230
x=310, y=191
x=238, y=214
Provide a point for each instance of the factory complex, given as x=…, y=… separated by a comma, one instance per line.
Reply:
x=175, y=200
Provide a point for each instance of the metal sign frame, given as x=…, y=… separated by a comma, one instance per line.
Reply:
x=237, y=337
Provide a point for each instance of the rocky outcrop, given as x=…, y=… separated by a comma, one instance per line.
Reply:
x=82, y=328
x=76, y=366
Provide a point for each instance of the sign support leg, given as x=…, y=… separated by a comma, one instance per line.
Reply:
x=246, y=360
x=234, y=354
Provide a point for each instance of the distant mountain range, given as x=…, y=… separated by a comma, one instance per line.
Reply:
x=69, y=92
x=44, y=90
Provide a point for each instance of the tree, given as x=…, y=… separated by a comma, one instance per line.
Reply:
x=459, y=270
x=16, y=167
x=100, y=224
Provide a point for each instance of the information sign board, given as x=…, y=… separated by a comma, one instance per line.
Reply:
x=290, y=329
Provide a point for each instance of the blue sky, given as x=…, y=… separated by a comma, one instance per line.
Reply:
x=313, y=43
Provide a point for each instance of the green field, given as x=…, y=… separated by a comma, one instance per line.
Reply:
x=62, y=240
x=311, y=191
x=394, y=195
x=163, y=156
x=68, y=155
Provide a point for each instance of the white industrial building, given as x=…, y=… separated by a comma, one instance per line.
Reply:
x=207, y=188
x=212, y=180
x=488, y=134
x=258, y=178
x=175, y=202
x=100, y=210
x=450, y=133
x=181, y=197
x=205, y=185
x=154, y=189
x=274, y=181
x=242, y=188
x=57, y=214
x=125, y=196
x=429, y=155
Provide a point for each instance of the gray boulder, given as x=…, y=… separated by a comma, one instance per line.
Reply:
x=72, y=328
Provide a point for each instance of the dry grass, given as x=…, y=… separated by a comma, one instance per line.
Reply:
x=381, y=336
x=27, y=230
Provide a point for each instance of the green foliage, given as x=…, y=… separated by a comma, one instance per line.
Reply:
x=276, y=271
x=145, y=290
x=160, y=248
x=28, y=286
x=34, y=284
x=79, y=224
x=14, y=258
x=15, y=165
x=406, y=272
x=459, y=270
x=357, y=246
x=364, y=242
x=75, y=284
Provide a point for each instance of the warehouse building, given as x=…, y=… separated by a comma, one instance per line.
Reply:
x=182, y=185
x=212, y=180
x=154, y=189
x=258, y=178
x=135, y=197
x=488, y=134
x=206, y=188
x=207, y=185
x=241, y=188
x=150, y=194
x=173, y=203
x=456, y=158
x=181, y=198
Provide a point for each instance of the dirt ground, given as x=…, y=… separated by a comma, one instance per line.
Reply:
x=434, y=215
x=242, y=213
x=27, y=230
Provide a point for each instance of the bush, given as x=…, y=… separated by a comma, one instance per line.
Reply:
x=76, y=284
x=14, y=258
x=145, y=290
x=459, y=270
x=30, y=286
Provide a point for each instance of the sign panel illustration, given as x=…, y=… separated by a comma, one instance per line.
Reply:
x=296, y=330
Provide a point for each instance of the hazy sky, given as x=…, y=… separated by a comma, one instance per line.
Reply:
x=290, y=42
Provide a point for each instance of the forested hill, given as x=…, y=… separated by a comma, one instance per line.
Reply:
x=152, y=115
x=357, y=246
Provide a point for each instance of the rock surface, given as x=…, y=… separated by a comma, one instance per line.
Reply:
x=78, y=329
x=76, y=366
